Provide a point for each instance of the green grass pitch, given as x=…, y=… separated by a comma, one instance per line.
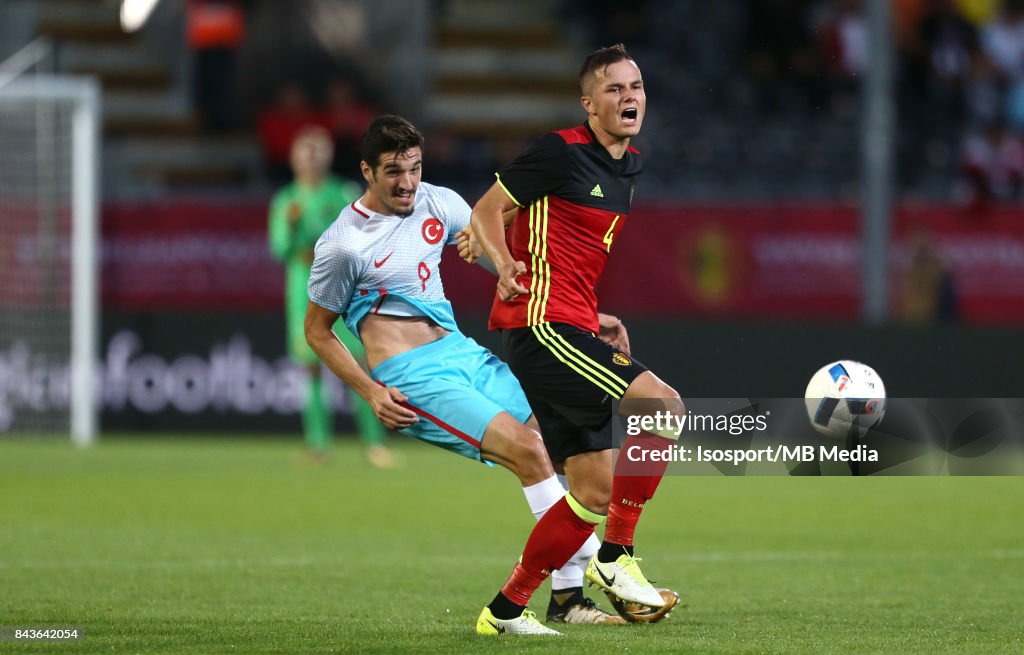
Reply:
x=186, y=545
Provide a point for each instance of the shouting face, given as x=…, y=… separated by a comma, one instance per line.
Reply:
x=615, y=100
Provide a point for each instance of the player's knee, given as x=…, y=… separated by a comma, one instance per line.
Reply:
x=531, y=457
x=675, y=404
x=664, y=390
x=649, y=396
x=667, y=397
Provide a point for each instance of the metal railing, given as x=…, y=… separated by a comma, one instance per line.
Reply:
x=25, y=59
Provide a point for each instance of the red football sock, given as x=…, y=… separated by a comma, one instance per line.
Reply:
x=555, y=538
x=632, y=487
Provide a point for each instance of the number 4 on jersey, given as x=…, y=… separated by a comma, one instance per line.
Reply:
x=610, y=234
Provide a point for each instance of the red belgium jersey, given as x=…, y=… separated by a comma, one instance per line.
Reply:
x=573, y=198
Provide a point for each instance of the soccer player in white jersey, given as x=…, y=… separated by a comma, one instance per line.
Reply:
x=377, y=267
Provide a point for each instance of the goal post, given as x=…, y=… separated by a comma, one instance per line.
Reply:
x=49, y=293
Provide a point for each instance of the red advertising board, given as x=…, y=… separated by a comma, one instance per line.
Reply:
x=189, y=255
x=798, y=261
x=806, y=262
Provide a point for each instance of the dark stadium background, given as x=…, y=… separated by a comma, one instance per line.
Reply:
x=740, y=271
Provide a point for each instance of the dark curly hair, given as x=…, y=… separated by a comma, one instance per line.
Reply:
x=388, y=133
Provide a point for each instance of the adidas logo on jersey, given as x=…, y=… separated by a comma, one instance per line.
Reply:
x=596, y=191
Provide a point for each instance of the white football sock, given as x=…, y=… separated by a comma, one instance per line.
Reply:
x=571, y=575
x=543, y=495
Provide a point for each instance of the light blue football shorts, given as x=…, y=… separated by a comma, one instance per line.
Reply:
x=457, y=387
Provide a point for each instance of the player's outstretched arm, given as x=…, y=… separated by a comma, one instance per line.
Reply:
x=487, y=221
x=384, y=400
x=470, y=248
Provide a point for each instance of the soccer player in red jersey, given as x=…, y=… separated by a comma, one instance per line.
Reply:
x=572, y=191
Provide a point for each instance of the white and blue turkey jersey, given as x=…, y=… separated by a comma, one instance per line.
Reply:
x=373, y=263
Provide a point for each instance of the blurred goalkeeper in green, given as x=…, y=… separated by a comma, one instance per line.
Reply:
x=299, y=213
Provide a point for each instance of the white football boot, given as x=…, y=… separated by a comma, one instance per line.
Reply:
x=624, y=579
x=524, y=624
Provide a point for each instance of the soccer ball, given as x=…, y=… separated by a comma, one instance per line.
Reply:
x=845, y=399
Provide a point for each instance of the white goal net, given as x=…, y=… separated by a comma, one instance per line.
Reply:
x=48, y=255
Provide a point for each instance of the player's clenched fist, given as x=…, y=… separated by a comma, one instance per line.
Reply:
x=508, y=287
x=469, y=248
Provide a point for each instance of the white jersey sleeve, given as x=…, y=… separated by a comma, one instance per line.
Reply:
x=333, y=275
x=451, y=209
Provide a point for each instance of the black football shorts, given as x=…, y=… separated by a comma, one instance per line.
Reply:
x=570, y=378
